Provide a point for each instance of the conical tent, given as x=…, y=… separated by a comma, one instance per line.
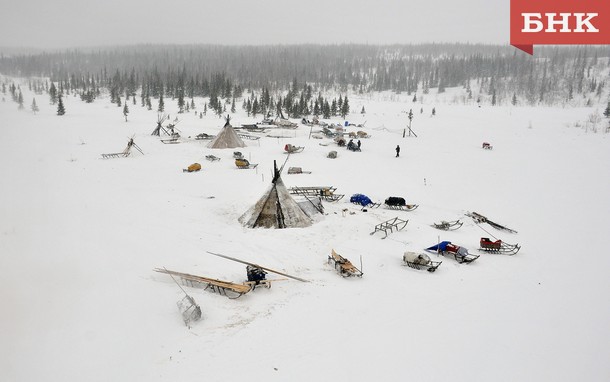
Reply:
x=227, y=138
x=276, y=209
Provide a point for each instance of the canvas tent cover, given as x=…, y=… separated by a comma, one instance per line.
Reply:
x=226, y=139
x=276, y=209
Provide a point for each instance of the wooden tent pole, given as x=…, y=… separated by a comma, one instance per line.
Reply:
x=258, y=266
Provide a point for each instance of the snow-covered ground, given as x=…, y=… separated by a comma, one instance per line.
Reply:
x=80, y=236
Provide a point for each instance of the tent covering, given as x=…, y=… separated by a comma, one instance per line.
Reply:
x=276, y=209
x=227, y=138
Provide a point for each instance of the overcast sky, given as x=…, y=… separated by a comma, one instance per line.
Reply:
x=78, y=23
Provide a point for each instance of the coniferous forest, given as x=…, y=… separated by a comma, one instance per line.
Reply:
x=293, y=78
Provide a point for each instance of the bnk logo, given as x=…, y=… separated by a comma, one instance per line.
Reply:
x=558, y=22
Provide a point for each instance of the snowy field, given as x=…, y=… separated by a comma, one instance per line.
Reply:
x=80, y=236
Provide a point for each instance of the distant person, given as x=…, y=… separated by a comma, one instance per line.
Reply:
x=359, y=144
x=397, y=151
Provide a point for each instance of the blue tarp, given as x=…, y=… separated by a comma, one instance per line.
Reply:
x=363, y=200
x=442, y=246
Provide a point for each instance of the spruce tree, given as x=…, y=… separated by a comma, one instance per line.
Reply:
x=233, y=105
x=514, y=101
x=126, y=111
x=607, y=111
x=20, y=100
x=345, y=108
x=61, y=110
x=363, y=111
x=161, y=105
x=34, y=107
x=53, y=93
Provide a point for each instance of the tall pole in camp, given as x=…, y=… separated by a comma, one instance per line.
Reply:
x=410, y=119
x=258, y=266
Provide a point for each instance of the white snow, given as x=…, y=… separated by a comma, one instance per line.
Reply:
x=80, y=236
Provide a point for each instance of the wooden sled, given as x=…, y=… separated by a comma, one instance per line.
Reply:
x=364, y=201
x=498, y=246
x=115, y=155
x=399, y=204
x=343, y=265
x=125, y=152
x=290, y=149
x=460, y=254
x=325, y=192
x=212, y=158
x=244, y=164
x=297, y=170
x=248, y=136
x=391, y=225
x=203, y=136
x=170, y=140
x=448, y=226
x=478, y=218
x=226, y=288
x=420, y=261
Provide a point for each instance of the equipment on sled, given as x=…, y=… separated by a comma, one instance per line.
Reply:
x=391, y=225
x=192, y=168
x=297, y=170
x=340, y=141
x=461, y=254
x=420, y=261
x=397, y=203
x=343, y=265
x=125, y=153
x=498, y=246
x=478, y=218
x=364, y=201
x=448, y=226
x=257, y=277
x=487, y=146
x=244, y=163
x=290, y=149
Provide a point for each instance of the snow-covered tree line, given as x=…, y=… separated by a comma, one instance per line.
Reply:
x=494, y=74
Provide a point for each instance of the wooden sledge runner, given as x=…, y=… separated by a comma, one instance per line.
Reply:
x=391, y=225
x=226, y=288
x=343, y=265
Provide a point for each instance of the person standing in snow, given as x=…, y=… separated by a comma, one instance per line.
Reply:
x=397, y=151
x=359, y=144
